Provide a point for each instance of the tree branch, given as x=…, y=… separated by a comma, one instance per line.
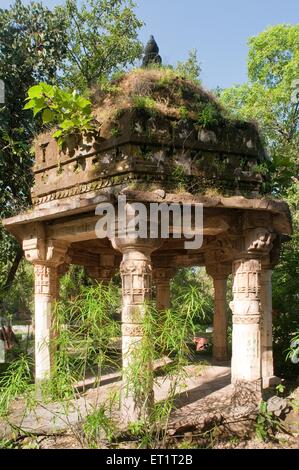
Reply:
x=13, y=269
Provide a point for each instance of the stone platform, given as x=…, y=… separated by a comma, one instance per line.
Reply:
x=206, y=392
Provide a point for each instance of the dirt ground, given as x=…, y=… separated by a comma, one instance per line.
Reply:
x=205, y=416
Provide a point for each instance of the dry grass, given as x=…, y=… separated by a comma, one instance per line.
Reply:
x=164, y=89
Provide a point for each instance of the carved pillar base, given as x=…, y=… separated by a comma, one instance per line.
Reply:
x=136, y=272
x=246, y=338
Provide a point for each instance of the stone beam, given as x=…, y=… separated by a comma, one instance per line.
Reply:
x=83, y=258
x=75, y=230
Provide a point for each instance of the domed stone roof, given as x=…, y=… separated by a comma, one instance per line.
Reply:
x=162, y=95
x=154, y=128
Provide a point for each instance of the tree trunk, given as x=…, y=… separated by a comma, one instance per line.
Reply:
x=13, y=269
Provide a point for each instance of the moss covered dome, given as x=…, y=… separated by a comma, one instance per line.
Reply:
x=153, y=128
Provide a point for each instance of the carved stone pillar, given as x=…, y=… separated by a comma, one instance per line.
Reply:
x=46, y=256
x=246, y=307
x=161, y=278
x=61, y=270
x=136, y=273
x=45, y=294
x=267, y=337
x=246, y=339
x=219, y=274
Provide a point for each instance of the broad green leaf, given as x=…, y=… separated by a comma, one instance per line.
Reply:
x=35, y=91
x=67, y=124
x=48, y=116
x=57, y=134
x=29, y=105
x=38, y=108
x=49, y=90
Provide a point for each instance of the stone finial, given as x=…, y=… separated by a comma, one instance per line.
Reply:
x=151, y=53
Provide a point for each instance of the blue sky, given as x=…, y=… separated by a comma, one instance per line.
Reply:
x=217, y=29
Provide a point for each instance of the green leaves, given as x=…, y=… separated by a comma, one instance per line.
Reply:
x=69, y=111
x=191, y=68
x=270, y=97
x=266, y=423
x=14, y=382
x=48, y=116
x=209, y=115
x=103, y=38
x=32, y=47
x=273, y=55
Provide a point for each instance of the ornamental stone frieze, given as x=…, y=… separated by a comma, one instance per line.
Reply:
x=247, y=277
x=136, y=279
x=259, y=241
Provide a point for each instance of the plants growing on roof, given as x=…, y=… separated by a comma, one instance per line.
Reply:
x=144, y=102
x=70, y=112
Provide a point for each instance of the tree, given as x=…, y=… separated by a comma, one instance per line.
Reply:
x=285, y=292
x=271, y=97
x=102, y=38
x=70, y=45
x=32, y=43
x=191, y=68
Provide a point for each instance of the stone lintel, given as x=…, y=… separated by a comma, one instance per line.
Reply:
x=82, y=205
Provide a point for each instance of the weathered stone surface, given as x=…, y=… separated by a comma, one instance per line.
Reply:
x=142, y=137
x=277, y=405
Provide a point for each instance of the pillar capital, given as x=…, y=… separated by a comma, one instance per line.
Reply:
x=164, y=268
x=100, y=273
x=51, y=253
x=272, y=259
x=143, y=245
x=162, y=275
